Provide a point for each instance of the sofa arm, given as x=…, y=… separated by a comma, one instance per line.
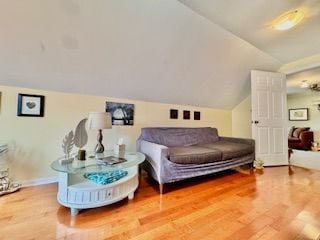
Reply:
x=239, y=140
x=154, y=155
x=152, y=150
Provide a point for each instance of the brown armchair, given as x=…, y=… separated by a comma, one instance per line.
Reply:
x=301, y=139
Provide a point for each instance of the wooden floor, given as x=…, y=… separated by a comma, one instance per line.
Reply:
x=281, y=203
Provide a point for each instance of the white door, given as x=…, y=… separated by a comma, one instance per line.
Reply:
x=269, y=117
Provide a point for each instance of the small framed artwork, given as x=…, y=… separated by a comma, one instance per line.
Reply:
x=186, y=114
x=196, y=115
x=299, y=114
x=173, y=114
x=30, y=105
x=122, y=113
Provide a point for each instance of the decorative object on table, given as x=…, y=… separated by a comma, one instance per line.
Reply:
x=67, y=144
x=99, y=121
x=298, y=114
x=82, y=154
x=30, y=105
x=186, y=114
x=122, y=113
x=120, y=148
x=111, y=160
x=196, y=115
x=106, y=178
x=64, y=160
x=258, y=164
x=78, y=139
x=6, y=186
x=173, y=113
x=81, y=138
x=80, y=134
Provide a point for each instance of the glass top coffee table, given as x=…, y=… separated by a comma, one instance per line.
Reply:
x=77, y=192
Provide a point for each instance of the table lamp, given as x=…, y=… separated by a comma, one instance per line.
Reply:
x=99, y=121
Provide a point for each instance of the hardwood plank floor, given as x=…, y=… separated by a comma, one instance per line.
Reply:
x=280, y=203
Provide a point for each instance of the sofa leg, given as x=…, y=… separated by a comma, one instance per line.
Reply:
x=161, y=188
x=251, y=168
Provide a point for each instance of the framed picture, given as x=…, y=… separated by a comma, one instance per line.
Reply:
x=122, y=113
x=173, y=114
x=186, y=114
x=196, y=115
x=298, y=114
x=30, y=105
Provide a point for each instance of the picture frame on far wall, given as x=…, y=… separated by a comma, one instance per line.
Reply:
x=299, y=114
x=173, y=113
x=196, y=115
x=186, y=115
x=30, y=105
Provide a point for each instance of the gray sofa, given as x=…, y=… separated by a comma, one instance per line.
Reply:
x=175, y=154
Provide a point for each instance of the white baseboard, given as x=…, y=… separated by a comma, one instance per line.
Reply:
x=39, y=181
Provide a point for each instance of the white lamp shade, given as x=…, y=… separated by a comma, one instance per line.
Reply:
x=99, y=120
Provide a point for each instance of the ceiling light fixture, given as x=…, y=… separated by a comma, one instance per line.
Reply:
x=288, y=20
x=313, y=86
x=304, y=84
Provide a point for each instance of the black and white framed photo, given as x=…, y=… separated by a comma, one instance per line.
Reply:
x=30, y=105
x=298, y=114
x=122, y=113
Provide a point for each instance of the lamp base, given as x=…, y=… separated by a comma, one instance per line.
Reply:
x=99, y=147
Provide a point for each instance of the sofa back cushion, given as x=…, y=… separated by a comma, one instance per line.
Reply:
x=297, y=131
x=175, y=137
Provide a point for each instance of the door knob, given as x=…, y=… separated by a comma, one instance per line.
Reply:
x=256, y=122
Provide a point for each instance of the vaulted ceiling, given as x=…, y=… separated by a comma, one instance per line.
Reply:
x=251, y=21
x=159, y=50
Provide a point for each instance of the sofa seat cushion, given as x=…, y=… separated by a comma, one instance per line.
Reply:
x=193, y=155
x=230, y=149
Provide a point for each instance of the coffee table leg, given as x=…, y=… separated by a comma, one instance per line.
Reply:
x=74, y=211
x=131, y=196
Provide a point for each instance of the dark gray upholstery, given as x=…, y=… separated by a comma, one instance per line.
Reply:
x=174, y=154
x=193, y=155
x=230, y=149
x=177, y=137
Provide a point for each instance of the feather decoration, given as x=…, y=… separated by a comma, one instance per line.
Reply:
x=80, y=135
x=67, y=143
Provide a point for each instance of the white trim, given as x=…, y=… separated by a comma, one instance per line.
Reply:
x=39, y=181
x=301, y=65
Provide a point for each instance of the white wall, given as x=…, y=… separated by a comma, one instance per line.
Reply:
x=241, y=119
x=305, y=100
x=150, y=50
x=36, y=142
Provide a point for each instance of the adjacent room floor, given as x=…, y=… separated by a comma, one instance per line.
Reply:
x=279, y=203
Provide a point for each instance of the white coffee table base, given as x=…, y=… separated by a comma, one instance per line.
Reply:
x=77, y=192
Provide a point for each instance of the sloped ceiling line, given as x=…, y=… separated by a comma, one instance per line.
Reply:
x=159, y=51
